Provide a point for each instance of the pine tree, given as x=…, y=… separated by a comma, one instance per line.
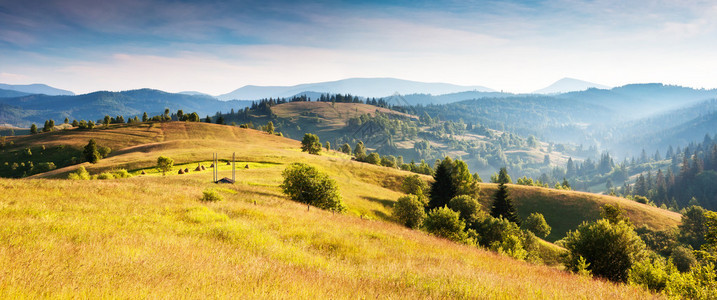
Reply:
x=91, y=153
x=503, y=205
x=269, y=126
x=33, y=128
x=443, y=188
x=145, y=118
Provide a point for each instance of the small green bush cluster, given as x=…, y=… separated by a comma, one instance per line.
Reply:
x=82, y=174
x=211, y=195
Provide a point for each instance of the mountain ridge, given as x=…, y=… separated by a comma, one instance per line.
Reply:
x=36, y=88
x=568, y=84
x=366, y=87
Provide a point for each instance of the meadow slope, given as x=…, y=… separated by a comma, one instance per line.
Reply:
x=151, y=236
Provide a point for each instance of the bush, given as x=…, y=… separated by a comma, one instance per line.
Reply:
x=610, y=248
x=80, y=174
x=311, y=144
x=211, y=195
x=104, y=151
x=305, y=184
x=683, y=258
x=468, y=208
x=414, y=185
x=410, y=211
x=650, y=274
x=121, y=173
x=373, y=158
x=503, y=236
x=105, y=175
x=536, y=224
x=446, y=223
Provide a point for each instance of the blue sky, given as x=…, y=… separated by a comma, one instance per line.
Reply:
x=218, y=46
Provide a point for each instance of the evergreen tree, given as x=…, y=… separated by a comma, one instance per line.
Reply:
x=463, y=180
x=360, y=150
x=269, y=127
x=220, y=120
x=208, y=119
x=442, y=189
x=91, y=153
x=503, y=205
x=346, y=148
x=33, y=129
x=145, y=118
x=67, y=120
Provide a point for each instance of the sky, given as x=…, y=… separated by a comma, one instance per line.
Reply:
x=218, y=46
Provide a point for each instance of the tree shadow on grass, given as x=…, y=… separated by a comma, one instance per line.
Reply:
x=384, y=202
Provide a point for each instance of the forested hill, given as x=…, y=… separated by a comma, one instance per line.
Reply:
x=25, y=110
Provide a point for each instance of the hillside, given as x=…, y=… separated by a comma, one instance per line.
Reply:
x=25, y=110
x=147, y=235
x=36, y=89
x=565, y=210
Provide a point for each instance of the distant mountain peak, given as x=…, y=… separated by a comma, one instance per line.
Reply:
x=567, y=84
x=363, y=87
x=36, y=88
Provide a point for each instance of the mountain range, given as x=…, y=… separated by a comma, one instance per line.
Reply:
x=569, y=85
x=35, y=89
x=366, y=87
x=37, y=108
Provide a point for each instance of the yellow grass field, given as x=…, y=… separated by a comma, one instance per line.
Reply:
x=151, y=237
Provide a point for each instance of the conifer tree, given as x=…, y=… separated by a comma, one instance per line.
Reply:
x=91, y=153
x=145, y=118
x=503, y=205
x=443, y=188
x=269, y=127
x=33, y=128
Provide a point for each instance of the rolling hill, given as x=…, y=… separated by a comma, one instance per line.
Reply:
x=146, y=235
x=22, y=111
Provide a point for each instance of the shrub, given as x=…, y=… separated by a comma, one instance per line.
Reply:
x=536, y=224
x=468, y=208
x=502, y=235
x=305, y=184
x=373, y=158
x=121, y=173
x=446, y=223
x=105, y=175
x=414, y=185
x=683, y=258
x=651, y=274
x=610, y=248
x=80, y=174
x=104, y=151
x=410, y=211
x=211, y=195
x=311, y=144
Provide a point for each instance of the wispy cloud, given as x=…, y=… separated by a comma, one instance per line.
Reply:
x=216, y=46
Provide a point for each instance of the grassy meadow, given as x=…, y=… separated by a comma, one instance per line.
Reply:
x=149, y=236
